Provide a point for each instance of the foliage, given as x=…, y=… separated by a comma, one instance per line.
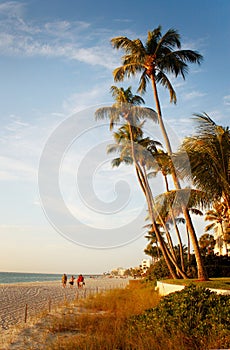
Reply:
x=118, y=320
x=207, y=244
x=195, y=311
x=159, y=56
x=157, y=271
x=217, y=266
x=209, y=156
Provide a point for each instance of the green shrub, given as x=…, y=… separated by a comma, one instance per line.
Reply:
x=157, y=271
x=217, y=266
x=196, y=312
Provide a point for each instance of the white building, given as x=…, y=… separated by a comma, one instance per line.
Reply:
x=145, y=264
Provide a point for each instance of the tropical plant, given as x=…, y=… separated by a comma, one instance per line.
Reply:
x=161, y=55
x=126, y=106
x=207, y=243
x=198, y=313
x=209, y=158
x=155, y=60
x=218, y=216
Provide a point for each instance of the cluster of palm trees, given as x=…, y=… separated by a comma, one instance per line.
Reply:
x=207, y=153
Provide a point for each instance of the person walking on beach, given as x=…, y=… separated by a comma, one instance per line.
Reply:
x=71, y=281
x=64, y=280
x=80, y=281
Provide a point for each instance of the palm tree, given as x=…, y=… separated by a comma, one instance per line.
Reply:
x=127, y=106
x=163, y=164
x=155, y=60
x=152, y=248
x=218, y=216
x=161, y=55
x=209, y=157
x=143, y=158
x=207, y=243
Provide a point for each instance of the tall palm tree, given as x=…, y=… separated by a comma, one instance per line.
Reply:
x=154, y=61
x=161, y=55
x=142, y=158
x=126, y=106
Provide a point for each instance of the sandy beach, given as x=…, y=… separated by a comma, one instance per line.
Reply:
x=22, y=303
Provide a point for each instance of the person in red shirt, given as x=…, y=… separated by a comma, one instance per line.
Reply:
x=80, y=281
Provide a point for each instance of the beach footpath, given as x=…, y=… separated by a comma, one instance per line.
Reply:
x=23, y=303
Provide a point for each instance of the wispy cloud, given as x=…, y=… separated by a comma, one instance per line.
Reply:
x=227, y=100
x=193, y=95
x=22, y=37
x=79, y=101
x=14, y=169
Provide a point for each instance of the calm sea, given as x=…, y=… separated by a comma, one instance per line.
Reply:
x=16, y=277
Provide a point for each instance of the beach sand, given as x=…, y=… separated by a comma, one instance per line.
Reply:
x=22, y=304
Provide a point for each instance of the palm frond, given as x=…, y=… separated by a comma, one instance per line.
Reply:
x=162, y=78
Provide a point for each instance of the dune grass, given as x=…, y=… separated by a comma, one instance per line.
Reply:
x=104, y=323
x=123, y=319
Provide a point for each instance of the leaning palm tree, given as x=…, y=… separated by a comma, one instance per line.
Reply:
x=143, y=158
x=126, y=106
x=163, y=164
x=161, y=55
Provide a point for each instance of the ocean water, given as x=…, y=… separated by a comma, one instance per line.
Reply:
x=16, y=277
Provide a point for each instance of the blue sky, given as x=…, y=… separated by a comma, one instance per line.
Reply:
x=56, y=66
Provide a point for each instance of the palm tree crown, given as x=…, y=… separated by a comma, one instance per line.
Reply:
x=209, y=156
x=126, y=107
x=161, y=55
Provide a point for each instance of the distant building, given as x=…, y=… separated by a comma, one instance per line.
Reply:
x=118, y=272
x=145, y=265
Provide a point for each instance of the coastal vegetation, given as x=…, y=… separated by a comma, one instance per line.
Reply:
x=203, y=158
x=137, y=318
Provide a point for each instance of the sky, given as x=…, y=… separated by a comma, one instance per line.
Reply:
x=63, y=207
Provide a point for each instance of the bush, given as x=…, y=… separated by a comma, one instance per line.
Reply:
x=157, y=271
x=196, y=312
x=217, y=266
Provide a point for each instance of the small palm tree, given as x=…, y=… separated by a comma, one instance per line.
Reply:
x=218, y=216
x=207, y=243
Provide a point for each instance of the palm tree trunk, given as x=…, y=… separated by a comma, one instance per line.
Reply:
x=189, y=249
x=179, y=240
x=175, y=226
x=152, y=205
x=169, y=239
x=202, y=275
